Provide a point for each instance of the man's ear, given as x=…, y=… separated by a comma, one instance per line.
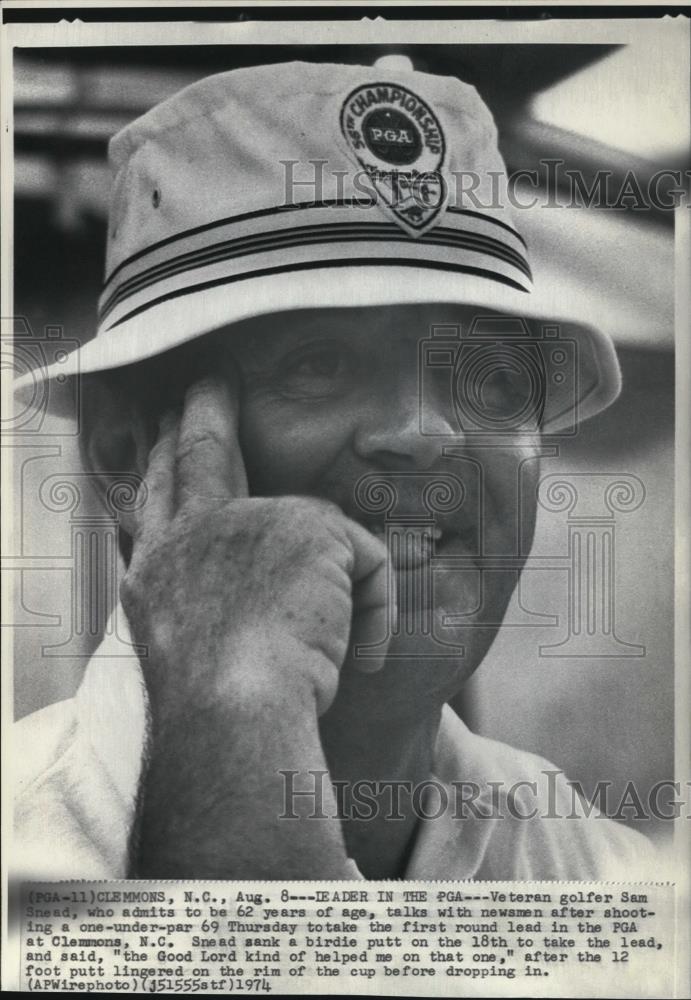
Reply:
x=117, y=435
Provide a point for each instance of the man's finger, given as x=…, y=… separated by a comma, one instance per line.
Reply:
x=374, y=599
x=208, y=465
x=157, y=486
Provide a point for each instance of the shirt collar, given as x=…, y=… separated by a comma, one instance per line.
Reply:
x=112, y=706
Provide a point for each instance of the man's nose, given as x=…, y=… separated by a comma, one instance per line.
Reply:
x=403, y=431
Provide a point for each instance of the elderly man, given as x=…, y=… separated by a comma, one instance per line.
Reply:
x=282, y=241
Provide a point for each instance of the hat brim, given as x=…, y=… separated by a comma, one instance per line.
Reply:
x=192, y=313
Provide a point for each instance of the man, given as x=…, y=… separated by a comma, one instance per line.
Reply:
x=282, y=240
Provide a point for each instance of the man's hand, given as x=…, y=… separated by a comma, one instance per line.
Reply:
x=245, y=606
x=236, y=595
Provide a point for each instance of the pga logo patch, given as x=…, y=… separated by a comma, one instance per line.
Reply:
x=398, y=140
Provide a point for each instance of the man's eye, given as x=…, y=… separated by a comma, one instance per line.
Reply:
x=328, y=364
x=505, y=390
x=514, y=396
x=319, y=372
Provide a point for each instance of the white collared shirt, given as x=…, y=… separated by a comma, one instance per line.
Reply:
x=78, y=766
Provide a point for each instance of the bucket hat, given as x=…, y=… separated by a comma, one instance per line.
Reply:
x=304, y=185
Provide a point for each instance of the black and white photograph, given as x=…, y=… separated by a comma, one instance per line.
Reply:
x=342, y=439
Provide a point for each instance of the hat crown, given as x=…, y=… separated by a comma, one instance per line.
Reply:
x=255, y=87
x=258, y=138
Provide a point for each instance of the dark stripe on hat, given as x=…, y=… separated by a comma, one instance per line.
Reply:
x=312, y=265
x=215, y=252
x=263, y=212
x=292, y=238
x=487, y=218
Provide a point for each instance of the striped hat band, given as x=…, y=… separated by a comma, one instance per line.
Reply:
x=303, y=236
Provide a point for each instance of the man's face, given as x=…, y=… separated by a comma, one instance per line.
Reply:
x=332, y=396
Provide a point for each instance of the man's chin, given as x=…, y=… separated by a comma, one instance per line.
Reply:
x=416, y=677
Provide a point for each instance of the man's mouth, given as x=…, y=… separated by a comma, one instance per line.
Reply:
x=410, y=547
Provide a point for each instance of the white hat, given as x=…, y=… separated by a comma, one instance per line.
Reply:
x=301, y=185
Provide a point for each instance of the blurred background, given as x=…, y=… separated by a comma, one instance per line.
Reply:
x=592, y=106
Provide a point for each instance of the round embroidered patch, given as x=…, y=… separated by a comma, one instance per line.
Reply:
x=392, y=136
x=398, y=140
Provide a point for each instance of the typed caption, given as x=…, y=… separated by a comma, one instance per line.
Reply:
x=408, y=938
